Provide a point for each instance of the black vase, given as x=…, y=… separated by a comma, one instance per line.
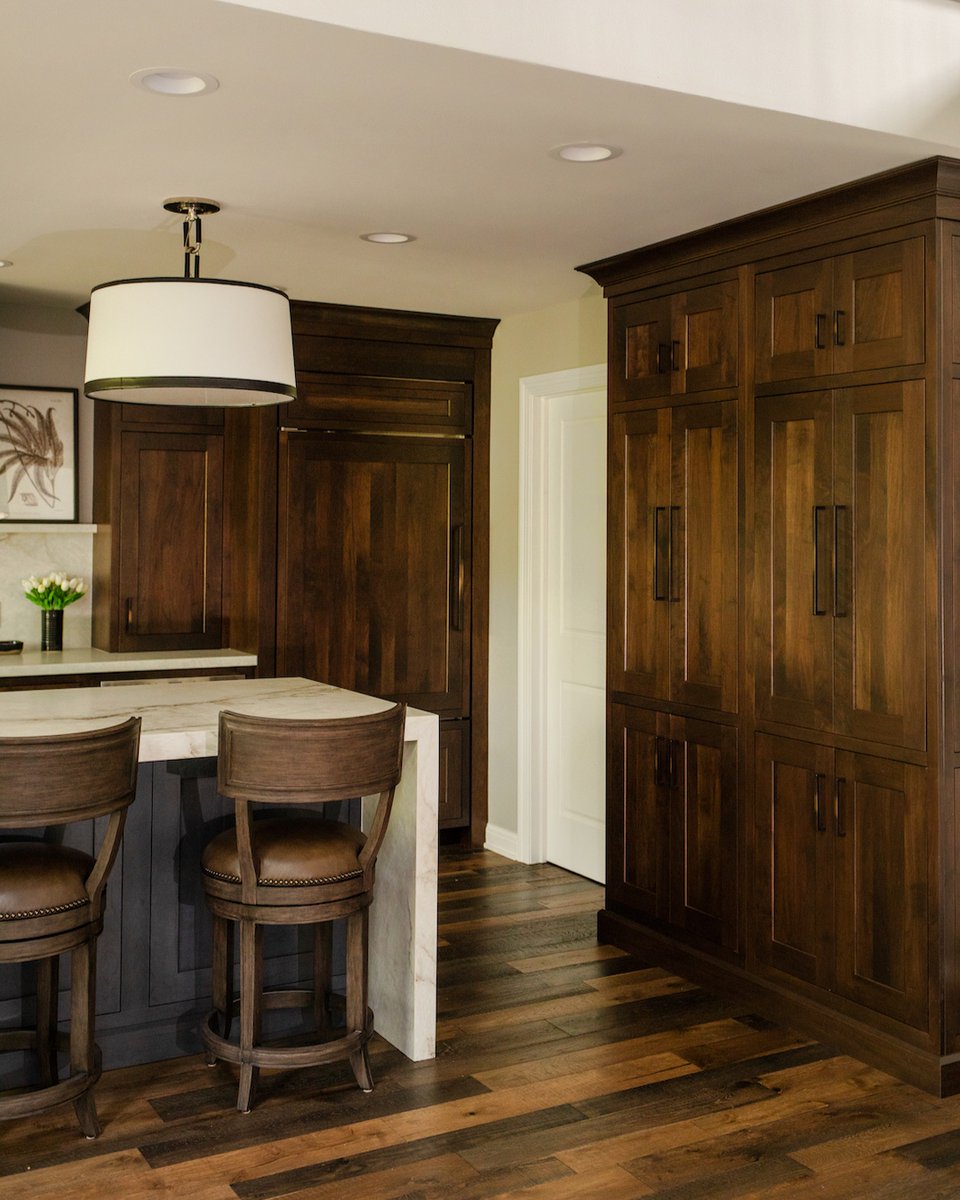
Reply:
x=51, y=629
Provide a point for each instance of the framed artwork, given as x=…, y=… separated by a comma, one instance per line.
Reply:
x=38, y=453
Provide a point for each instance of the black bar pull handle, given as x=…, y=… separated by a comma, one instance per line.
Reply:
x=840, y=806
x=663, y=358
x=675, y=749
x=840, y=554
x=675, y=355
x=128, y=609
x=818, y=332
x=659, y=773
x=839, y=327
x=819, y=816
x=818, y=610
x=659, y=591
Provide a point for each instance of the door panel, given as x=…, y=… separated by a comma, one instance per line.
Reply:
x=645, y=332
x=702, y=556
x=705, y=325
x=373, y=554
x=792, y=321
x=881, y=838
x=879, y=307
x=704, y=839
x=793, y=563
x=639, y=608
x=171, y=533
x=879, y=576
x=794, y=859
x=637, y=824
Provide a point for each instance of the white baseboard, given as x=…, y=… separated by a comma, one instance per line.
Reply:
x=503, y=841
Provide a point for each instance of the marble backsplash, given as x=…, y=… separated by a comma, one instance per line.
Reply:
x=68, y=549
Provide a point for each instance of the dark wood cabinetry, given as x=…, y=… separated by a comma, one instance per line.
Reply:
x=790, y=832
x=158, y=555
x=364, y=504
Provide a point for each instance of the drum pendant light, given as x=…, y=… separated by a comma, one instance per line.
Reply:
x=190, y=340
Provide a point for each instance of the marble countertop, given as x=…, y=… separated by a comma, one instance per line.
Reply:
x=89, y=661
x=180, y=718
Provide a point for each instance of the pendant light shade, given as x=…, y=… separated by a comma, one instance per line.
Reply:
x=189, y=341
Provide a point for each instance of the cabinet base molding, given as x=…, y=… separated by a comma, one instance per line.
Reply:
x=933, y=1073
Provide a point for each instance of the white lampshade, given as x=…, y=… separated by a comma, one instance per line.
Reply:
x=189, y=341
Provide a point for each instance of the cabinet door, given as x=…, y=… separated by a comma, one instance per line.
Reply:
x=879, y=586
x=704, y=343
x=794, y=307
x=374, y=566
x=793, y=559
x=794, y=860
x=170, y=540
x=637, y=811
x=882, y=846
x=704, y=839
x=702, y=556
x=639, y=553
x=878, y=315
x=642, y=335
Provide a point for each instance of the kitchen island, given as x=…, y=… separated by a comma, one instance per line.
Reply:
x=155, y=949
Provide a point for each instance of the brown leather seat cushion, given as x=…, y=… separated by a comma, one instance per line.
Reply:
x=37, y=879
x=291, y=852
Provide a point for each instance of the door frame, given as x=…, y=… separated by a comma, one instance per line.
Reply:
x=536, y=392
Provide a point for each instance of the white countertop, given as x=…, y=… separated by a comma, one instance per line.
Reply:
x=180, y=717
x=89, y=661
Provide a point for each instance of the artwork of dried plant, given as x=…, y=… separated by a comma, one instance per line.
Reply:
x=35, y=448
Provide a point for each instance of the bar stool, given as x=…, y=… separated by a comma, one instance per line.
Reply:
x=296, y=869
x=52, y=896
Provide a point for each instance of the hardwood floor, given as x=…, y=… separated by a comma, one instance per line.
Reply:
x=565, y=1069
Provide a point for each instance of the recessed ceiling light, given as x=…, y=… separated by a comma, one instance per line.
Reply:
x=171, y=81
x=388, y=239
x=5, y=262
x=586, y=152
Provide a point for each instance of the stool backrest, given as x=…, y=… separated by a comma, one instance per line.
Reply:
x=67, y=777
x=279, y=761
x=59, y=778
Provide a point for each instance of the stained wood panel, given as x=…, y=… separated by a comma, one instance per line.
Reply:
x=792, y=306
x=637, y=815
x=374, y=549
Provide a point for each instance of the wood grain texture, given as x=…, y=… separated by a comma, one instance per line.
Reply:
x=620, y=1081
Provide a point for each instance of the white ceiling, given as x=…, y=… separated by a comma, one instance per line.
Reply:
x=436, y=117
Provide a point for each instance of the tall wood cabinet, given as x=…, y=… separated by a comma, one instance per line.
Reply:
x=366, y=500
x=784, y=491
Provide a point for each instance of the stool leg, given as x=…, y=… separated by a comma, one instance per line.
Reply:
x=357, y=994
x=322, y=968
x=83, y=1003
x=222, y=977
x=251, y=994
x=48, y=982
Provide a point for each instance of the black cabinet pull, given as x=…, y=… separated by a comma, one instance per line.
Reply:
x=839, y=334
x=818, y=332
x=675, y=356
x=663, y=358
x=456, y=577
x=840, y=554
x=659, y=592
x=819, y=817
x=818, y=611
x=839, y=807
x=675, y=750
x=659, y=756
x=129, y=613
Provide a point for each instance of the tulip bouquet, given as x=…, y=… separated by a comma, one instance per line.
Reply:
x=54, y=591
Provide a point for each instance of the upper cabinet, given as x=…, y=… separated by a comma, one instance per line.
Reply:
x=677, y=344
x=853, y=312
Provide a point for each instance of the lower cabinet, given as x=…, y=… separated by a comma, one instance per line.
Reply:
x=673, y=824
x=842, y=852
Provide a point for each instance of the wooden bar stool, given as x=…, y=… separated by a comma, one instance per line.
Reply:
x=52, y=896
x=296, y=869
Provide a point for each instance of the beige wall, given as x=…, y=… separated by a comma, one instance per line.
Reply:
x=551, y=339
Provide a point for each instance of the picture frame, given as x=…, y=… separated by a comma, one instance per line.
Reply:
x=38, y=454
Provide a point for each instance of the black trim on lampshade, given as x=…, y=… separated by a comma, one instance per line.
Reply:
x=263, y=287
x=189, y=381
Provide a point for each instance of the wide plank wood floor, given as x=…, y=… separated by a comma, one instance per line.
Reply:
x=565, y=1069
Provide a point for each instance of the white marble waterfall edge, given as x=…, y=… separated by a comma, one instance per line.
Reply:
x=181, y=722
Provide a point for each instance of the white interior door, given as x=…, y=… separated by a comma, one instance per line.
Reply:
x=575, y=612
